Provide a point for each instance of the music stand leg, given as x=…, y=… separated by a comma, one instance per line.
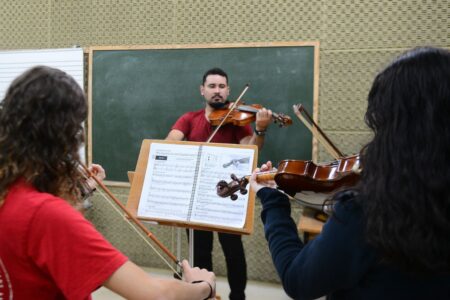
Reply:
x=191, y=246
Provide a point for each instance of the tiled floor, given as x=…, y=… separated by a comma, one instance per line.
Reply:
x=254, y=291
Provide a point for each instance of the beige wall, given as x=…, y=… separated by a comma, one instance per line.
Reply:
x=357, y=39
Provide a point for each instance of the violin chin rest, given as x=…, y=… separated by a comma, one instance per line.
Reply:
x=356, y=168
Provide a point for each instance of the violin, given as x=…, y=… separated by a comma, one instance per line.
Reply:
x=242, y=115
x=300, y=175
x=293, y=176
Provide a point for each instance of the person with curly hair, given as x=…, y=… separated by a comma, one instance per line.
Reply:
x=388, y=237
x=48, y=249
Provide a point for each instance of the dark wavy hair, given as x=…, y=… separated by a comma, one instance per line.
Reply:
x=41, y=132
x=214, y=71
x=405, y=184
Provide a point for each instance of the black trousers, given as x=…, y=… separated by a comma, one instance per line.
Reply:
x=234, y=257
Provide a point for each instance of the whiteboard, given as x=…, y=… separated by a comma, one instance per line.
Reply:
x=15, y=62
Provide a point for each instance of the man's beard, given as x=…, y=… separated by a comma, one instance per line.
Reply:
x=218, y=105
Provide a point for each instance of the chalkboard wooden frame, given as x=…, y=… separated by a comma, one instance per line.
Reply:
x=311, y=103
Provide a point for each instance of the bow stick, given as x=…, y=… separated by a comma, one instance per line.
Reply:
x=317, y=132
x=136, y=222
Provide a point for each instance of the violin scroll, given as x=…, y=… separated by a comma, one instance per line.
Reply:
x=225, y=189
x=281, y=119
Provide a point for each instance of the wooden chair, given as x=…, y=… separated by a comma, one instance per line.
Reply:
x=309, y=225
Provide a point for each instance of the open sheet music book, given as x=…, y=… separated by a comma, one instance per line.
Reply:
x=175, y=183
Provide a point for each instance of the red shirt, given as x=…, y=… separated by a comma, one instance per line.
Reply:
x=196, y=128
x=48, y=250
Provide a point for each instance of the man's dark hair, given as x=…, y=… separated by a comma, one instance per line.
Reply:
x=215, y=71
x=405, y=184
x=41, y=132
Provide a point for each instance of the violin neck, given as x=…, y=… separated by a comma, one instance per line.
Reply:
x=265, y=176
x=247, y=108
x=251, y=109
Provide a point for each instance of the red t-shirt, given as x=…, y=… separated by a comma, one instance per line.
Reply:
x=48, y=250
x=196, y=128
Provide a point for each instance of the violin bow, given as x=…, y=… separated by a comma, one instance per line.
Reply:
x=229, y=112
x=138, y=223
x=316, y=131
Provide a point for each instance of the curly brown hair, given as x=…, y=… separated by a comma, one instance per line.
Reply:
x=41, y=132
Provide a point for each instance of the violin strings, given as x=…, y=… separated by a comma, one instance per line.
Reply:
x=144, y=238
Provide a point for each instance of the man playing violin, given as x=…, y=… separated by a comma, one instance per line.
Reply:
x=195, y=126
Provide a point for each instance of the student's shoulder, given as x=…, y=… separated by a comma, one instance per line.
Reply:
x=26, y=194
x=347, y=210
x=189, y=118
x=193, y=114
x=346, y=203
x=33, y=206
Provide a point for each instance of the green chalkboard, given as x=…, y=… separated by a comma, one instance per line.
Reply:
x=139, y=93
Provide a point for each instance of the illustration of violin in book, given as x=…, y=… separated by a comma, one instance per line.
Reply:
x=237, y=162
